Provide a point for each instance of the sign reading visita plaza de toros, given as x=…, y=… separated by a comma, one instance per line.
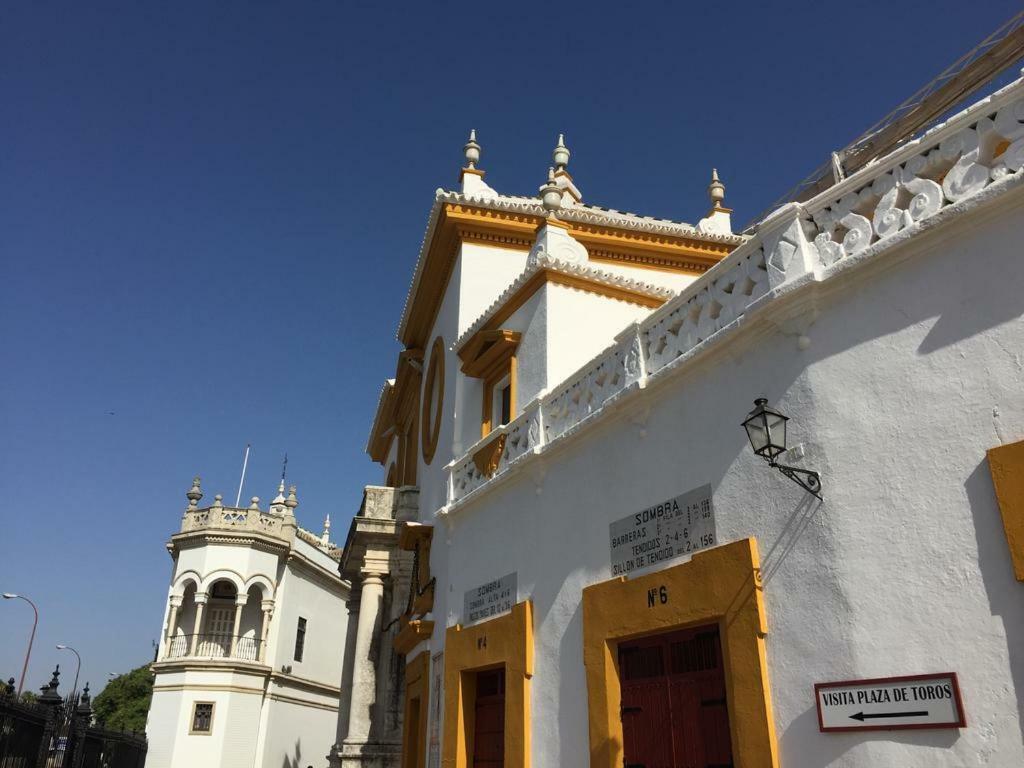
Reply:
x=674, y=528
x=489, y=599
x=890, y=703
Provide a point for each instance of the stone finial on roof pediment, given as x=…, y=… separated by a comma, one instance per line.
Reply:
x=472, y=178
x=718, y=221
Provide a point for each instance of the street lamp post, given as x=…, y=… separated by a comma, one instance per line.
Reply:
x=32, y=637
x=74, y=688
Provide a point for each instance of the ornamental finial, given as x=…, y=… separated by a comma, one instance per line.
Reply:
x=716, y=190
x=325, y=537
x=472, y=150
x=561, y=154
x=551, y=194
x=292, y=501
x=195, y=493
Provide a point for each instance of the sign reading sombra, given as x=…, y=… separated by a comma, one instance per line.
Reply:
x=490, y=599
x=675, y=528
x=890, y=703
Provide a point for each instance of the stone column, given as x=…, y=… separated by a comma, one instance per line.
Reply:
x=197, y=628
x=172, y=624
x=268, y=609
x=239, y=605
x=364, y=676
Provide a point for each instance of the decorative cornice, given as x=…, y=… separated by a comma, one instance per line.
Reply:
x=192, y=664
x=305, y=683
x=581, y=276
x=586, y=221
x=201, y=538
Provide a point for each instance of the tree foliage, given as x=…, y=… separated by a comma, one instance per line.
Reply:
x=124, y=703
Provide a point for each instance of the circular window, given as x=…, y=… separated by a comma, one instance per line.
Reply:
x=433, y=399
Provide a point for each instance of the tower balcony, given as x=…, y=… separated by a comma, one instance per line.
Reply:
x=214, y=645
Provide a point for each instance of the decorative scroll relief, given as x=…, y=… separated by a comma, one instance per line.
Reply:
x=961, y=165
x=553, y=245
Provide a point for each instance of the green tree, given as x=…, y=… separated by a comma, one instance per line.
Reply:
x=124, y=703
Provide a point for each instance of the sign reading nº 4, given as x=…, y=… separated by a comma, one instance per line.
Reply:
x=890, y=703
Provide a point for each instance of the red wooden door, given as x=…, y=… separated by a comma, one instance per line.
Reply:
x=674, y=712
x=489, y=720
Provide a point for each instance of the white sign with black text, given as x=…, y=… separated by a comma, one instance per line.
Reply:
x=675, y=528
x=890, y=703
x=490, y=599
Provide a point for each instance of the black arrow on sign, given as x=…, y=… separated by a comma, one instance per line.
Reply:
x=862, y=717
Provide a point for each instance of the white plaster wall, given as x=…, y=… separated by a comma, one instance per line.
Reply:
x=479, y=276
x=300, y=736
x=315, y=554
x=161, y=733
x=913, y=371
x=241, y=562
x=484, y=273
x=673, y=280
x=236, y=719
x=580, y=325
x=324, y=610
x=531, y=320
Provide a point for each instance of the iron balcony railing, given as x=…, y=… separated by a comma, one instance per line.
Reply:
x=214, y=646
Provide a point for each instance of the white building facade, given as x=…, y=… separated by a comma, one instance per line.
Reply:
x=250, y=665
x=572, y=385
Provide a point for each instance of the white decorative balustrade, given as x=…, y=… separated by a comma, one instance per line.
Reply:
x=232, y=518
x=950, y=164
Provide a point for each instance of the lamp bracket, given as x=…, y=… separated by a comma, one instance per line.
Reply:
x=807, y=479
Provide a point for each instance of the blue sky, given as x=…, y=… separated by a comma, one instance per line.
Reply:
x=209, y=215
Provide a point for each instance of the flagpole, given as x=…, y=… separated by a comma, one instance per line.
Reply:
x=245, y=463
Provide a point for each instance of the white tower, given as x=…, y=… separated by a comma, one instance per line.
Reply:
x=249, y=669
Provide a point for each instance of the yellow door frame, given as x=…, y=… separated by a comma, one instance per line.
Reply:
x=718, y=586
x=1006, y=463
x=505, y=641
x=417, y=687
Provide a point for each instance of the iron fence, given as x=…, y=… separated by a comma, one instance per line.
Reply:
x=55, y=732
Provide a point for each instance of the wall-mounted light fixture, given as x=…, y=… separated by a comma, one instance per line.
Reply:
x=766, y=429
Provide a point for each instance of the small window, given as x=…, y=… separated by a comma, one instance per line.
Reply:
x=501, y=406
x=300, y=639
x=506, y=404
x=202, y=717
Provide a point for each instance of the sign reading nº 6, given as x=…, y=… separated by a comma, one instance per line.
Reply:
x=890, y=703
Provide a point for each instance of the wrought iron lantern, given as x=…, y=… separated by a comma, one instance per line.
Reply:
x=766, y=430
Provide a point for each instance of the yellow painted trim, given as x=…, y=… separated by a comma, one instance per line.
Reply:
x=511, y=229
x=417, y=686
x=412, y=634
x=505, y=641
x=720, y=585
x=1006, y=463
x=433, y=391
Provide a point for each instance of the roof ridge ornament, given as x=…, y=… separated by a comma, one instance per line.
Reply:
x=570, y=192
x=561, y=154
x=718, y=221
x=471, y=177
x=472, y=150
x=195, y=493
x=716, y=190
x=551, y=195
